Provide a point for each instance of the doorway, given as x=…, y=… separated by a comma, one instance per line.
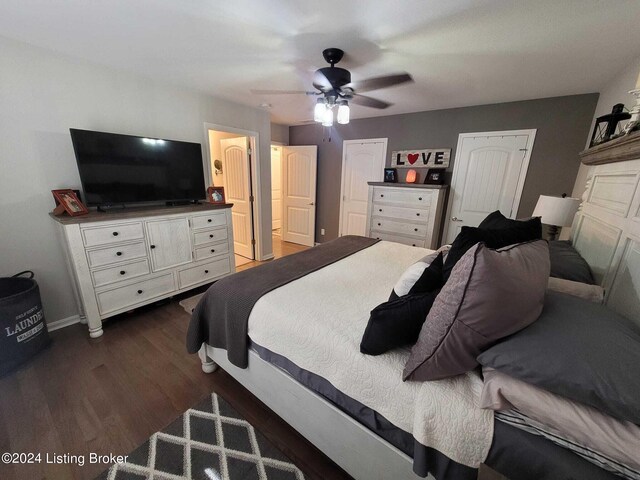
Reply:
x=362, y=161
x=488, y=175
x=231, y=167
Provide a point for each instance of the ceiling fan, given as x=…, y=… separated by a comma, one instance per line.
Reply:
x=335, y=89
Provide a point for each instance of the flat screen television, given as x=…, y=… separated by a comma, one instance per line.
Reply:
x=124, y=169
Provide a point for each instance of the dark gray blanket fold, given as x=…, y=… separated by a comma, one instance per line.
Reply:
x=220, y=319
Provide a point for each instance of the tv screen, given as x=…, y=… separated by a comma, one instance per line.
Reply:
x=120, y=169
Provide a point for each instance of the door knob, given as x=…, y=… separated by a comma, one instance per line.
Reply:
x=312, y=203
x=456, y=219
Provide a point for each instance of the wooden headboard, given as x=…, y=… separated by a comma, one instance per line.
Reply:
x=606, y=232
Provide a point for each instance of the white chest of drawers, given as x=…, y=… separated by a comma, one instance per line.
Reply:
x=406, y=213
x=120, y=261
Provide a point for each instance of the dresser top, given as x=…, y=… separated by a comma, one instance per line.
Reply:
x=136, y=212
x=408, y=185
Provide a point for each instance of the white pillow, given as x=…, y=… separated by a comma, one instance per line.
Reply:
x=412, y=274
x=592, y=293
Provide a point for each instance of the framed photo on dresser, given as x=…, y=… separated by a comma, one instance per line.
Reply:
x=67, y=201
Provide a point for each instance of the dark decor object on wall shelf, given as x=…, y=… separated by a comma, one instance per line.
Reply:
x=391, y=175
x=606, y=127
x=435, y=176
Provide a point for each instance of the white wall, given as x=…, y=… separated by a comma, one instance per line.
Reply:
x=42, y=95
x=280, y=133
x=615, y=91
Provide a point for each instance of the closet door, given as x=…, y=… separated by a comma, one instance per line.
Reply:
x=299, y=166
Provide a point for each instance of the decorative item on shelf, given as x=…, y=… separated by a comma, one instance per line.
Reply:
x=217, y=165
x=607, y=126
x=68, y=202
x=412, y=176
x=634, y=123
x=391, y=175
x=428, y=157
x=215, y=195
x=556, y=212
x=435, y=176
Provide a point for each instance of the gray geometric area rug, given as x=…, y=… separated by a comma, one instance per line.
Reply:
x=208, y=442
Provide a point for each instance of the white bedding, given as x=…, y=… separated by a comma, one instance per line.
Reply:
x=317, y=323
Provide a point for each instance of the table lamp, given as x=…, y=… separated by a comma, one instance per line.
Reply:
x=556, y=212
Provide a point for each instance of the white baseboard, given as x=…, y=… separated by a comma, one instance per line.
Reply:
x=267, y=257
x=64, y=322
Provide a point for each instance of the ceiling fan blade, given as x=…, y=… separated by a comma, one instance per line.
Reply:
x=380, y=82
x=369, y=102
x=281, y=92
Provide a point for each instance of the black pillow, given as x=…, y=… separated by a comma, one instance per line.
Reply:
x=497, y=221
x=577, y=349
x=431, y=279
x=568, y=264
x=524, y=231
x=396, y=323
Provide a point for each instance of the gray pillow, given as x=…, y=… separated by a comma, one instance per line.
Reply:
x=490, y=294
x=580, y=350
x=568, y=264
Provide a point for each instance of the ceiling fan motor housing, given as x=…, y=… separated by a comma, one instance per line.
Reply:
x=336, y=76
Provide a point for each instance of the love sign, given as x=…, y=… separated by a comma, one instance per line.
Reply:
x=429, y=158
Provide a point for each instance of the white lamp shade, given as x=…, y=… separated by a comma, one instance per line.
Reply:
x=327, y=118
x=318, y=111
x=556, y=211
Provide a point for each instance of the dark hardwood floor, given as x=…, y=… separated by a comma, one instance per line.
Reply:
x=108, y=395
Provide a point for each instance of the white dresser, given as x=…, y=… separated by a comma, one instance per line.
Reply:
x=119, y=261
x=406, y=213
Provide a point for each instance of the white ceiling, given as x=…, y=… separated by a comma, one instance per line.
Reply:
x=460, y=52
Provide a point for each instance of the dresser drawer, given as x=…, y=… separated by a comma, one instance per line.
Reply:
x=414, y=242
x=209, y=236
x=93, y=236
x=211, y=251
x=409, y=197
x=120, y=253
x=402, y=228
x=407, y=213
x=208, y=271
x=131, y=295
x=209, y=220
x=119, y=273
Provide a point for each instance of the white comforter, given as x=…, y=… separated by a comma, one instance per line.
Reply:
x=317, y=322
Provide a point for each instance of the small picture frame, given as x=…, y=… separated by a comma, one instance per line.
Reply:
x=391, y=175
x=68, y=202
x=215, y=195
x=435, y=176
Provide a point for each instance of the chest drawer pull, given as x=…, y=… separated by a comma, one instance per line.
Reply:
x=119, y=254
x=381, y=195
x=417, y=214
x=122, y=272
x=379, y=224
x=139, y=292
x=209, y=220
x=213, y=250
x=206, y=271
x=152, y=246
x=115, y=234
x=379, y=209
x=415, y=229
x=211, y=236
x=420, y=198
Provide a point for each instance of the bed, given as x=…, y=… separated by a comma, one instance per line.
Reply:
x=302, y=358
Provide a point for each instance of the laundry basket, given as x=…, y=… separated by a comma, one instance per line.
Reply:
x=23, y=332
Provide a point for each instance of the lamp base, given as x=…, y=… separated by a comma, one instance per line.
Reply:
x=553, y=232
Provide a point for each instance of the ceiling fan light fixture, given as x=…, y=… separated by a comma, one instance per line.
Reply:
x=327, y=119
x=319, y=111
x=343, y=112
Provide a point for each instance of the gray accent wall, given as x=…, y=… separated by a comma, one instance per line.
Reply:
x=562, y=124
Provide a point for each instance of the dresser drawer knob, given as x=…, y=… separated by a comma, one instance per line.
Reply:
x=139, y=292
x=213, y=250
x=419, y=198
x=119, y=254
x=382, y=195
x=206, y=271
x=152, y=247
x=211, y=236
x=379, y=209
x=115, y=234
x=379, y=224
x=415, y=229
x=122, y=272
x=417, y=214
x=413, y=244
x=209, y=220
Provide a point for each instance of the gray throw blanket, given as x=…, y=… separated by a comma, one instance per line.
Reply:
x=221, y=317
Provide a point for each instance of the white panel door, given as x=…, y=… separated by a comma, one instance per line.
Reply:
x=169, y=242
x=276, y=188
x=237, y=190
x=488, y=175
x=299, y=166
x=362, y=162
